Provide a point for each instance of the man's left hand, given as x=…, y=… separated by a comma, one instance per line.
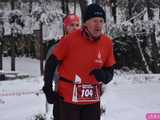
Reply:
x=98, y=74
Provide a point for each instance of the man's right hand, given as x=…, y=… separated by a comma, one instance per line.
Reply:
x=51, y=96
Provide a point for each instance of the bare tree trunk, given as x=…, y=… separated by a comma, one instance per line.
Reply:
x=149, y=11
x=65, y=7
x=147, y=68
x=41, y=48
x=155, y=52
x=75, y=7
x=154, y=46
x=1, y=44
x=114, y=8
x=1, y=54
x=130, y=10
x=13, y=53
x=159, y=12
x=30, y=6
x=12, y=43
x=83, y=4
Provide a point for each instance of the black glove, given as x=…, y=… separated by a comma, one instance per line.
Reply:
x=104, y=75
x=99, y=74
x=51, y=96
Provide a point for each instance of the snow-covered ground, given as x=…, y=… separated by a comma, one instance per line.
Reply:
x=127, y=97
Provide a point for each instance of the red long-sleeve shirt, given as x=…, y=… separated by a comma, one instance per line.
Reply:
x=80, y=56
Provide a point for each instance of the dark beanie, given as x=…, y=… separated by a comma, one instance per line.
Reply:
x=94, y=10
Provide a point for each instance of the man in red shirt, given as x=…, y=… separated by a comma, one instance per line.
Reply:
x=85, y=61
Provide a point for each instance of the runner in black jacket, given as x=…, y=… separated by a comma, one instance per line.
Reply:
x=71, y=23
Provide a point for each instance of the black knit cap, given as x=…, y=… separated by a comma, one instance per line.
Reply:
x=94, y=10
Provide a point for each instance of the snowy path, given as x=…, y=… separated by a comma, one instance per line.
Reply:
x=21, y=102
x=123, y=102
x=21, y=108
x=131, y=101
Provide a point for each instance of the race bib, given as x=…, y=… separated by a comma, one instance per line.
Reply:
x=85, y=93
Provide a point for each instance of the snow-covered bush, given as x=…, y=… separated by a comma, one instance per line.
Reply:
x=39, y=117
x=15, y=18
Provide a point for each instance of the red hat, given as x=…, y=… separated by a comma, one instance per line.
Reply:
x=69, y=19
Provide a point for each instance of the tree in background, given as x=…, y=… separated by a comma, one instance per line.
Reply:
x=136, y=31
x=113, y=5
x=65, y=7
x=83, y=4
x=1, y=43
x=16, y=22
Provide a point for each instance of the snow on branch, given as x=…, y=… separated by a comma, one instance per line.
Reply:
x=16, y=21
x=45, y=15
x=131, y=29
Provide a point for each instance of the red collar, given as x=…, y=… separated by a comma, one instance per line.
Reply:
x=85, y=33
